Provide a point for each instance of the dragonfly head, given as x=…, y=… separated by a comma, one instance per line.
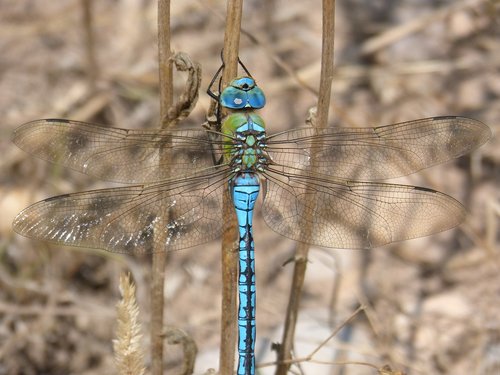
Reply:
x=242, y=93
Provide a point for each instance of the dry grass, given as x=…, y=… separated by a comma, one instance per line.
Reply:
x=128, y=346
x=432, y=305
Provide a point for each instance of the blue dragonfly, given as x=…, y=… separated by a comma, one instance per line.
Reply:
x=322, y=186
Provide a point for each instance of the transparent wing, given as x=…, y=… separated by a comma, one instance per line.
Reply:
x=379, y=153
x=131, y=219
x=120, y=155
x=355, y=215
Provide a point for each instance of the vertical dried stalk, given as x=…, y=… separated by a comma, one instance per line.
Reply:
x=302, y=250
x=159, y=254
x=92, y=67
x=164, y=54
x=325, y=86
x=229, y=253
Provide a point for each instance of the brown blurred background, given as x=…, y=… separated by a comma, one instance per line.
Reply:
x=433, y=304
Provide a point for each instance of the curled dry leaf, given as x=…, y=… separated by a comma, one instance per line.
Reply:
x=189, y=97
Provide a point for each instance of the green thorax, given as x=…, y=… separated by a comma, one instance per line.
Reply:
x=244, y=140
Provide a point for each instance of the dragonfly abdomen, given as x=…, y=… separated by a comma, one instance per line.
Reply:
x=245, y=188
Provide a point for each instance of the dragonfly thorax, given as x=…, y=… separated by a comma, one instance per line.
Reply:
x=247, y=152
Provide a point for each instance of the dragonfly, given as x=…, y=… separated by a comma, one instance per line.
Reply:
x=322, y=187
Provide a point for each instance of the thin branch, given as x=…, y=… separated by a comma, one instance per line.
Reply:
x=310, y=357
x=164, y=61
x=302, y=249
x=229, y=253
x=160, y=255
x=326, y=77
x=336, y=331
x=92, y=66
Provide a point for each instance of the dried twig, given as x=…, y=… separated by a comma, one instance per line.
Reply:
x=310, y=357
x=229, y=253
x=302, y=249
x=92, y=66
x=160, y=255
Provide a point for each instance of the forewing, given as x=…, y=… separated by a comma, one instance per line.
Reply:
x=132, y=219
x=376, y=153
x=120, y=155
x=355, y=215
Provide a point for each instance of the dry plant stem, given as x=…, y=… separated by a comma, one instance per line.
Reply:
x=159, y=254
x=269, y=50
x=310, y=356
x=492, y=217
x=229, y=253
x=325, y=86
x=164, y=61
x=302, y=250
x=92, y=67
